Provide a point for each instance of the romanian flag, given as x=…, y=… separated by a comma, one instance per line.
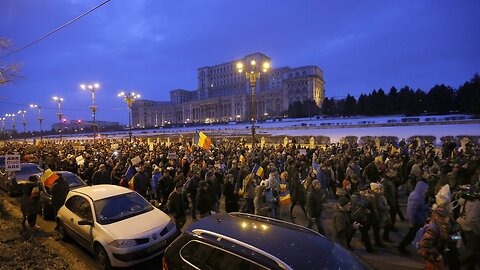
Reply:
x=284, y=197
x=48, y=178
x=242, y=159
x=257, y=170
x=202, y=140
x=393, y=150
x=379, y=158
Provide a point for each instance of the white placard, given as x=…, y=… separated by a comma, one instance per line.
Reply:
x=12, y=163
x=80, y=160
x=302, y=152
x=136, y=160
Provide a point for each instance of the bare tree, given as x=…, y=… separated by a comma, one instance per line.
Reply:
x=8, y=71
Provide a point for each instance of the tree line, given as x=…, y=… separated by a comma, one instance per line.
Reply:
x=440, y=99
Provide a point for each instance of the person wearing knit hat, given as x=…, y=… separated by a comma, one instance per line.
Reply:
x=433, y=242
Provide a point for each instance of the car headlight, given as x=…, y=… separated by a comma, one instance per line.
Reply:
x=123, y=243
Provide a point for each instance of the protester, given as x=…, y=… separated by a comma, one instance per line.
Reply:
x=433, y=242
x=30, y=203
x=315, y=205
x=177, y=206
x=416, y=213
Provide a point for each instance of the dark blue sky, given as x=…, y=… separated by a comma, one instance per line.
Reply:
x=153, y=46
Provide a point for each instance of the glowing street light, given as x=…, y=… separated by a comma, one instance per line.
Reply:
x=3, y=123
x=40, y=118
x=252, y=73
x=24, y=123
x=59, y=101
x=129, y=98
x=12, y=115
x=92, y=88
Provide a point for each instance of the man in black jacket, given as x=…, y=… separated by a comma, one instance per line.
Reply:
x=102, y=176
x=315, y=200
x=177, y=205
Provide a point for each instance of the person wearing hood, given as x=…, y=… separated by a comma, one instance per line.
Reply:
x=416, y=213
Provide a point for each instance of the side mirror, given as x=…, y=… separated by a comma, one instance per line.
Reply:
x=85, y=222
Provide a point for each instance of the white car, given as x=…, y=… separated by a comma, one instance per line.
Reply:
x=116, y=224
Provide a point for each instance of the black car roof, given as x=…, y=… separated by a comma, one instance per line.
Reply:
x=298, y=247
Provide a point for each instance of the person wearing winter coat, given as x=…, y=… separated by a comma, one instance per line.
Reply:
x=102, y=176
x=177, y=205
x=434, y=240
x=315, y=200
x=249, y=193
x=383, y=209
x=297, y=192
x=416, y=213
x=343, y=225
x=390, y=193
x=156, y=175
x=260, y=202
x=30, y=203
x=469, y=221
x=231, y=202
x=141, y=182
x=359, y=213
x=204, y=199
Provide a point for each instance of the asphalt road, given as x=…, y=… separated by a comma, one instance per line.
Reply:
x=382, y=258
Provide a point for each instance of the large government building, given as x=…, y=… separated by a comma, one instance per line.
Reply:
x=223, y=95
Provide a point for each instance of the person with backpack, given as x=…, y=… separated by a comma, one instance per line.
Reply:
x=433, y=239
x=416, y=212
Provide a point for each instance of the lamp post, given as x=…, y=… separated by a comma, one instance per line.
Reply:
x=12, y=115
x=59, y=101
x=40, y=118
x=3, y=123
x=24, y=123
x=252, y=73
x=129, y=98
x=92, y=88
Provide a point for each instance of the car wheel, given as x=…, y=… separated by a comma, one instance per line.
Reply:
x=102, y=257
x=62, y=232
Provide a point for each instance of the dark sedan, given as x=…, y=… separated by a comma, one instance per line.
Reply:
x=12, y=182
x=73, y=180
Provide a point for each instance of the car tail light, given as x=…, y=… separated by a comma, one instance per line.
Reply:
x=164, y=263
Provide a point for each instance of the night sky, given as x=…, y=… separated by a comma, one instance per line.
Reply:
x=154, y=46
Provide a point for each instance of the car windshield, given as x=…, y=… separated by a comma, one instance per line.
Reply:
x=73, y=180
x=117, y=208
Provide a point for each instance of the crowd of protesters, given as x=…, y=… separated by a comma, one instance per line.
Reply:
x=364, y=182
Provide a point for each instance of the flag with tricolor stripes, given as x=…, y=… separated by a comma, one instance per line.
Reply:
x=257, y=170
x=284, y=197
x=202, y=140
x=48, y=178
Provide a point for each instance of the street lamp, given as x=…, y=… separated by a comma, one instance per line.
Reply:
x=252, y=73
x=92, y=88
x=129, y=98
x=3, y=123
x=40, y=118
x=12, y=115
x=24, y=123
x=59, y=101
